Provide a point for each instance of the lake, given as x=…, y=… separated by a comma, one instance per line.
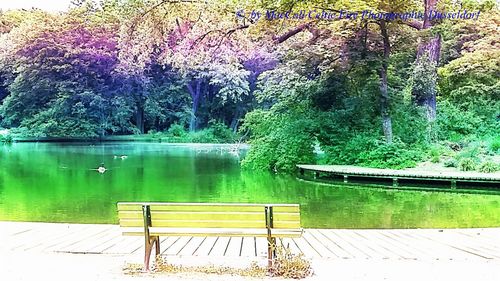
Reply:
x=58, y=182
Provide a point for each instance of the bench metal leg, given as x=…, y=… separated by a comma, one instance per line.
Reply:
x=157, y=245
x=149, y=246
x=271, y=251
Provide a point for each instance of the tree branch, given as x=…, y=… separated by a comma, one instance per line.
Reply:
x=282, y=38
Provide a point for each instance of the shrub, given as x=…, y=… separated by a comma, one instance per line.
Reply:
x=467, y=164
x=221, y=132
x=289, y=265
x=203, y=136
x=6, y=139
x=278, y=144
x=488, y=167
x=451, y=162
x=177, y=130
x=435, y=154
x=454, y=123
x=494, y=145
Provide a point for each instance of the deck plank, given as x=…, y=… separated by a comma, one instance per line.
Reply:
x=320, y=248
x=261, y=246
x=220, y=247
x=206, y=246
x=374, y=172
x=177, y=245
x=419, y=244
x=248, y=247
x=192, y=246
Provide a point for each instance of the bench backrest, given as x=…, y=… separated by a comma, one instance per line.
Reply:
x=208, y=215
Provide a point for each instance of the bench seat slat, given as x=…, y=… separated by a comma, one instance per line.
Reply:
x=255, y=232
x=157, y=215
x=194, y=223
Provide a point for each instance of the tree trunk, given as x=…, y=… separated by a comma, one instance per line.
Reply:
x=195, y=92
x=139, y=118
x=384, y=95
x=428, y=50
x=428, y=55
x=236, y=119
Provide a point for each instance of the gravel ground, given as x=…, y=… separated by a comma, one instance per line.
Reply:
x=75, y=267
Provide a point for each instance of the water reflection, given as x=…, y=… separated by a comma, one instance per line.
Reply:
x=57, y=183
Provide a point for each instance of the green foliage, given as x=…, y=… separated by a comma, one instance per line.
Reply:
x=467, y=164
x=494, y=145
x=279, y=143
x=177, y=131
x=216, y=133
x=367, y=150
x=424, y=78
x=203, y=136
x=454, y=124
x=451, y=163
x=6, y=138
x=221, y=132
x=434, y=155
x=488, y=167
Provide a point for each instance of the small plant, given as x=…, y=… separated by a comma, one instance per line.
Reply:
x=488, y=167
x=435, y=159
x=495, y=145
x=177, y=130
x=203, y=136
x=221, y=132
x=289, y=265
x=451, y=162
x=6, y=139
x=435, y=154
x=467, y=164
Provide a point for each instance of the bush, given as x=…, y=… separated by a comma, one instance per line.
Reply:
x=289, y=265
x=280, y=151
x=216, y=133
x=467, y=164
x=222, y=133
x=203, y=136
x=494, y=145
x=6, y=139
x=177, y=130
x=488, y=167
x=453, y=123
x=368, y=151
x=451, y=162
x=435, y=154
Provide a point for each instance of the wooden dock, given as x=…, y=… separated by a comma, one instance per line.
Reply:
x=455, y=180
x=400, y=244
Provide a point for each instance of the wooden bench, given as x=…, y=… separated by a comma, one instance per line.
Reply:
x=205, y=219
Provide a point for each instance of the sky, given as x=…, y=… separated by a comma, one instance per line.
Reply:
x=48, y=5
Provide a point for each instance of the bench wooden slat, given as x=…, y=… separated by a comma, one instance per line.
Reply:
x=207, y=207
x=256, y=216
x=250, y=232
x=286, y=224
x=193, y=223
x=157, y=215
x=210, y=224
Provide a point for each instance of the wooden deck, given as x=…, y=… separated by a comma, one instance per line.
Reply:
x=401, y=244
x=399, y=177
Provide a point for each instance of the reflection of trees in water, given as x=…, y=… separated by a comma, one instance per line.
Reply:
x=34, y=187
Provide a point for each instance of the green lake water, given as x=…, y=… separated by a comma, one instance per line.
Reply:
x=57, y=182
